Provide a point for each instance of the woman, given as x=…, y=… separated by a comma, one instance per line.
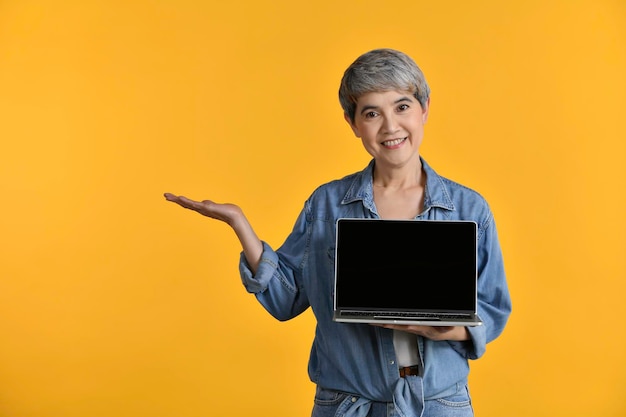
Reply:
x=359, y=369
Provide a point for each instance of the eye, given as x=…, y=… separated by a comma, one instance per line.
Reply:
x=403, y=107
x=370, y=114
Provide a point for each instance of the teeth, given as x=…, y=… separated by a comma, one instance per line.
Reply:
x=393, y=142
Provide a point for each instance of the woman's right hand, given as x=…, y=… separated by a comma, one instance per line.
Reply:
x=234, y=217
x=228, y=213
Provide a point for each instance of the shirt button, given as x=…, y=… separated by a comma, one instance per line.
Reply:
x=392, y=362
x=353, y=399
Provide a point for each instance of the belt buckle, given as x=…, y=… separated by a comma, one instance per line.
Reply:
x=409, y=371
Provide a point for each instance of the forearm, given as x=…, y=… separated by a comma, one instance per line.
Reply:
x=250, y=242
x=234, y=217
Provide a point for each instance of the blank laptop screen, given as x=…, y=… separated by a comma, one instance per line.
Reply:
x=407, y=265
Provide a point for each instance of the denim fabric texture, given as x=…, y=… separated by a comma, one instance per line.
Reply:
x=359, y=358
x=329, y=403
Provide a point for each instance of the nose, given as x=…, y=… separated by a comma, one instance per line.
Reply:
x=390, y=124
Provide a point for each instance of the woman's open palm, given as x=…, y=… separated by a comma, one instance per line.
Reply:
x=224, y=212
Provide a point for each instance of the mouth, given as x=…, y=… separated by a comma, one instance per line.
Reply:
x=393, y=142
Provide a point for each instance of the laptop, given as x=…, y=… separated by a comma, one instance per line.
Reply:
x=414, y=272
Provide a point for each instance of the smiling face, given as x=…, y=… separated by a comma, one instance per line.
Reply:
x=391, y=126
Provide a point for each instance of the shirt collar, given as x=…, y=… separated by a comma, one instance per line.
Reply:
x=435, y=195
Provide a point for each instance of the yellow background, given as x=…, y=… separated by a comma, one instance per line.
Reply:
x=116, y=303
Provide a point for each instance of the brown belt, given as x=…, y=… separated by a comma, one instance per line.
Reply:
x=409, y=371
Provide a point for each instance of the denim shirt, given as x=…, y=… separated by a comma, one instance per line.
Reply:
x=360, y=358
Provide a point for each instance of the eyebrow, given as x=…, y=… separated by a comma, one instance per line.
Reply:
x=372, y=107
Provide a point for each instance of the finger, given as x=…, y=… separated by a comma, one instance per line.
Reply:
x=173, y=198
x=176, y=199
x=443, y=329
x=182, y=201
x=382, y=325
x=402, y=327
x=189, y=203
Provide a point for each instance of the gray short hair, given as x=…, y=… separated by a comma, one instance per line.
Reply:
x=381, y=70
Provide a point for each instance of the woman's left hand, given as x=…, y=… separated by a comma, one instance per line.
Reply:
x=457, y=333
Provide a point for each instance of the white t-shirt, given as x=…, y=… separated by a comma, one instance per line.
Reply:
x=405, y=345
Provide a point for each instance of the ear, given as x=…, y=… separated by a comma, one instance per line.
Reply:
x=355, y=130
x=425, y=110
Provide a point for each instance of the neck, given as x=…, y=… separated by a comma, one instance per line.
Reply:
x=399, y=177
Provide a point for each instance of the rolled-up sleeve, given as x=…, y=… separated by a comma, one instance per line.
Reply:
x=494, y=301
x=265, y=271
x=277, y=283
